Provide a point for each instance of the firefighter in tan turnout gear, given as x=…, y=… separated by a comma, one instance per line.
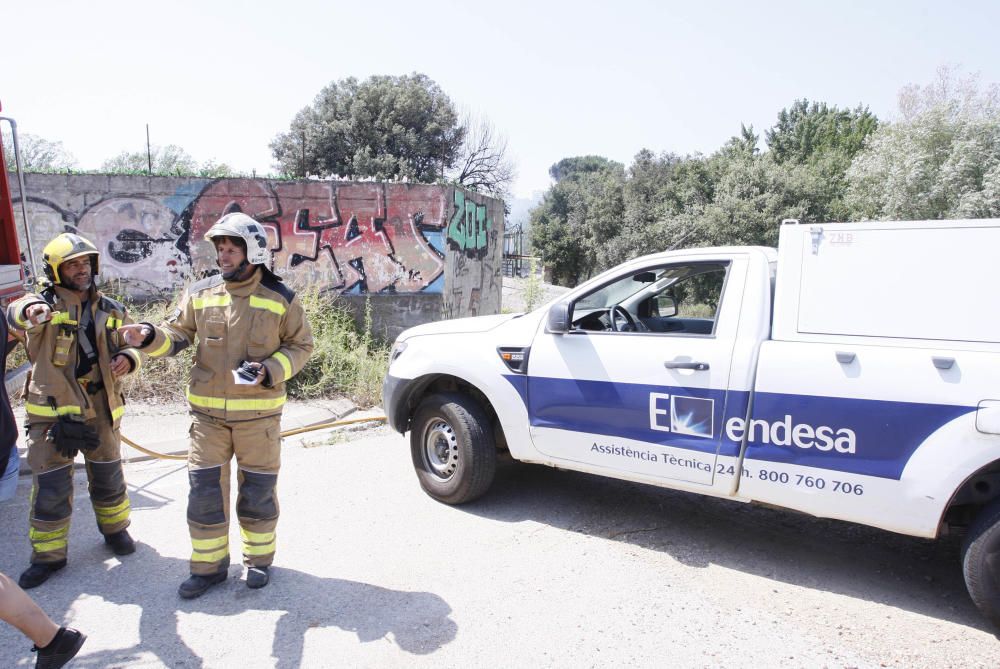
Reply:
x=74, y=402
x=252, y=337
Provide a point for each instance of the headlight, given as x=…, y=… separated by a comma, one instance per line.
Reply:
x=397, y=350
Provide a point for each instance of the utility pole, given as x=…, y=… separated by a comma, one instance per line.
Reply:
x=149, y=154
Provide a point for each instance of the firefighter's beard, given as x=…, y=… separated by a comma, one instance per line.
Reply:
x=237, y=273
x=81, y=282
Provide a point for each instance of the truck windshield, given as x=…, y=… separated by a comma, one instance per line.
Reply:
x=620, y=290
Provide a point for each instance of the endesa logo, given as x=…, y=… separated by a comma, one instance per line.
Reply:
x=692, y=416
x=787, y=433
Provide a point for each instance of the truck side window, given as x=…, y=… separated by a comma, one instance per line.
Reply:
x=676, y=299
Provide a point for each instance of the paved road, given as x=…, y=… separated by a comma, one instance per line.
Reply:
x=552, y=569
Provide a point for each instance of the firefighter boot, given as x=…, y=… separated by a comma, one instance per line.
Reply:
x=63, y=648
x=121, y=542
x=197, y=585
x=257, y=577
x=38, y=573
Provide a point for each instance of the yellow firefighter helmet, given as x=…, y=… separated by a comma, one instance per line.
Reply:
x=66, y=247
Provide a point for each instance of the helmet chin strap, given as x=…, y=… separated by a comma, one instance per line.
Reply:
x=236, y=273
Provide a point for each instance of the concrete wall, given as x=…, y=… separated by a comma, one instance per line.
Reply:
x=416, y=252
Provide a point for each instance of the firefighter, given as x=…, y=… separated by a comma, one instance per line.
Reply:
x=252, y=337
x=74, y=402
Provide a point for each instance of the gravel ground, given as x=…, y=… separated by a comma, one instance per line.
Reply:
x=549, y=569
x=513, y=294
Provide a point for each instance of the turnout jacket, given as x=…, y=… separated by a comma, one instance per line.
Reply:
x=53, y=390
x=257, y=320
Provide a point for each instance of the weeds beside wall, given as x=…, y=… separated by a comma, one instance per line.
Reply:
x=345, y=361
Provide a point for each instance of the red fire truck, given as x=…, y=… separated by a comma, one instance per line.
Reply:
x=15, y=270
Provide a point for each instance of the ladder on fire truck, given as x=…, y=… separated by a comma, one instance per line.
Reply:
x=15, y=272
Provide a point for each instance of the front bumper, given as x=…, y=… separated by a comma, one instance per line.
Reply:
x=395, y=403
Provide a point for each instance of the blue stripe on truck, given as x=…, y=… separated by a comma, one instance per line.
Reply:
x=870, y=437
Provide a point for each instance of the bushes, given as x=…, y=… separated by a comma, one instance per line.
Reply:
x=344, y=361
x=160, y=379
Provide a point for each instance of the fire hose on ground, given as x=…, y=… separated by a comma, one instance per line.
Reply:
x=286, y=433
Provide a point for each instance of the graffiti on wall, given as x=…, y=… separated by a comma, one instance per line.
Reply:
x=138, y=238
x=469, y=228
x=356, y=237
x=350, y=237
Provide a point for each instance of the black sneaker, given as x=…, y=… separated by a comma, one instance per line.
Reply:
x=121, y=543
x=197, y=585
x=257, y=577
x=38, y=573
x=63, y=648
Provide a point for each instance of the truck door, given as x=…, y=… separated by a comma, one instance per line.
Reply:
x=639, y=382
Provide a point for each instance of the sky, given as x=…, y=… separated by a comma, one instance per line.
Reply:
x=559, y=79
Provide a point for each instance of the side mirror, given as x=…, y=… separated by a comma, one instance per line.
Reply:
x=666, y=306
x=557, y=321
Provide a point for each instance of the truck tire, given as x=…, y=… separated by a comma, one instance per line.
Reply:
x=453, y=449
x=981, y=561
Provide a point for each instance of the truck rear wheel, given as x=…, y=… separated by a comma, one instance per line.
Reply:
x=453, y=449
x=981, y=561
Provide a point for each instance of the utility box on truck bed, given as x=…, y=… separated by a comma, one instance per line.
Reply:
x=852, y=373
x=912, y=280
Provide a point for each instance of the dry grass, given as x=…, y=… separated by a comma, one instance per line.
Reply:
x=160, y=379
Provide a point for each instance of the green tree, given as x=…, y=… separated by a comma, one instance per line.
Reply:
x=212, y=168
x=940, y=159
x=385, y=127
x=578, y=215
x=159, y=160
x=749, y=194
x=37, y=153
x=663, y=197
x=578, y=166
x=168, y=160
x=809, y=130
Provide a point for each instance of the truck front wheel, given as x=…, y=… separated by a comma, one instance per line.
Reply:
x=453, y=449
x=981, y=561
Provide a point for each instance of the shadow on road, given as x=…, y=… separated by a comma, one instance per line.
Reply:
x=919, y=575
x=418, y=622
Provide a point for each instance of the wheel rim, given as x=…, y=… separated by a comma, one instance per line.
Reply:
x=440, y=449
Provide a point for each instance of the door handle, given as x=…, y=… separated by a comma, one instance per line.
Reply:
x=943, y=363
x=673, y=364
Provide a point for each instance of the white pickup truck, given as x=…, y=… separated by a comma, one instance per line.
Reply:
x=852, y=373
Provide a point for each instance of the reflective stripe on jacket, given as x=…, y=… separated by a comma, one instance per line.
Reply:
x=53, y=390
x=256, y=320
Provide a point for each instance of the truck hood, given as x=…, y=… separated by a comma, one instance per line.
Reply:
x=458, y=325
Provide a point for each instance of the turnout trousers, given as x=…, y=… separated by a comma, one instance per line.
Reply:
x=257, y=447
x=52, y=485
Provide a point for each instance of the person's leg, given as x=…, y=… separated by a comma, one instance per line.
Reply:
x=257, y=445
x=51, y=506
x=18, y=609
x=208, y=504
x=55, y=645
x=108, y=494
x=8, y=482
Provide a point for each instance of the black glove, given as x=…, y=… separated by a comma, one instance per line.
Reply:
x=71, y=437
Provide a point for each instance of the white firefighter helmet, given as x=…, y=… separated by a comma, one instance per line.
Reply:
x=243, y=227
